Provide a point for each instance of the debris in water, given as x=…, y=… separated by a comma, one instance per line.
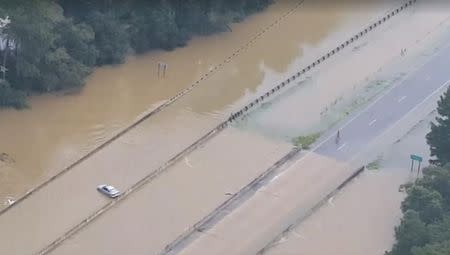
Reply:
x=9, y=201
x=4, y=157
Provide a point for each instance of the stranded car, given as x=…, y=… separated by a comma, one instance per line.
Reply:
x=108, y=190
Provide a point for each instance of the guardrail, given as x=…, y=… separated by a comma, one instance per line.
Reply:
x=215, y=131
x=221, y=211
x=153, y=112
x=312, y=210
x=323, y=58
x=201, y=225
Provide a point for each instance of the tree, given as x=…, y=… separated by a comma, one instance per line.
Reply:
x=111, y=37
x=10, y=97
x=78, y=40
x=428, y=203
x=61, y=71
x=411, y=232
x=154, y=26
x=439, y=231
x=442, y=248
x=439, y=137
x=55, y=44
x=31, y=28
x=438, y=179
x=426, y=222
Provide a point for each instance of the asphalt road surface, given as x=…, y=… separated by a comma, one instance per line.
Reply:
x=28, y=221
x=250, y=227
x=390, y=108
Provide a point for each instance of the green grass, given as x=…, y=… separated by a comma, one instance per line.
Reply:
x=374, y=165
x=305, y=141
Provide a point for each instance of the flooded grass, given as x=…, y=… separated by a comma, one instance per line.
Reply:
x=375, y=165
x=305, y=142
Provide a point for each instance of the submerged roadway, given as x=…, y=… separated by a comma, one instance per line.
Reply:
x=286, y=197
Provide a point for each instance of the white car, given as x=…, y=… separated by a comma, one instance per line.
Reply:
x=108, y=190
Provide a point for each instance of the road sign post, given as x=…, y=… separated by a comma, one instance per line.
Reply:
x=415, y=158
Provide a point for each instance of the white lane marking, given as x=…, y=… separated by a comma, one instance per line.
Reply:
x=186, y=160
x=341, y=147
x=401, y=98
x=372, y=122
x=399, y=120
x=312, y=151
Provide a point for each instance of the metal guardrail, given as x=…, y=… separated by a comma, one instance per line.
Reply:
x=201, y=224
x=151, y=113
x=214, y=131
x=323, y=58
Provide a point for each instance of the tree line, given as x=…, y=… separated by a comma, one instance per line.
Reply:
x=425, y=226
x=50, y=45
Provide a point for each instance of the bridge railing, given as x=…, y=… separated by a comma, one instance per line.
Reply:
x=235, y=116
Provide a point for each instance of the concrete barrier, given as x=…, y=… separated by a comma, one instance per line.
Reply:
x=312, y=210
x=218, y=213
x=162, y=168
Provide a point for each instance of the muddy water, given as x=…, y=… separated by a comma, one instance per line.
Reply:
x=191, y=189
x=343, y=225
x=142, y=150
x=134, y=155
x=336, y=226
x=249, y=227
x=58, y=129
x=311, y=102
x=148, y=146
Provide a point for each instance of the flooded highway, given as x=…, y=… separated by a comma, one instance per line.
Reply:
x=56, y=208
x=59, y=129
x=134, y=87
x=343, y=219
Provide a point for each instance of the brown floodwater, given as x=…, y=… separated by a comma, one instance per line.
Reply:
x=253, y=224
x=308, y=108
x=58, y=129
x=360, y=220
x=168, y=206
x=175, y=205
x=371, y=202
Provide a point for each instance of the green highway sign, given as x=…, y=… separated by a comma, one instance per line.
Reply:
x=415, y=157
